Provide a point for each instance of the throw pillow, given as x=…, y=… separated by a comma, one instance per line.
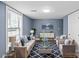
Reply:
x=22, y=42
x=67, y=42
x=73, y=42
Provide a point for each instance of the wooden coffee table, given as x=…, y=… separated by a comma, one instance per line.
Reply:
x=45, y=50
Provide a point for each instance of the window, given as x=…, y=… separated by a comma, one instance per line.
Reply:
x=14, y=24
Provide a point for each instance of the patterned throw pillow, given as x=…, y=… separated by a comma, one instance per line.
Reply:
x=23, y=40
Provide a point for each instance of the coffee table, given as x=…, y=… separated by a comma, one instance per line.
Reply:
x=45, y=51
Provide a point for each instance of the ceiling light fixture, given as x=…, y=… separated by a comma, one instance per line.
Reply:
x=33, y=10
x=46, y=10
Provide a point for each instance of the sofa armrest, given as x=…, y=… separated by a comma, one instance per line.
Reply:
x=30, y=45
x=69, y=48
x=21, y=52
x=69, y=51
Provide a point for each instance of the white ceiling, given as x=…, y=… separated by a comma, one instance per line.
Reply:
x=58, y=9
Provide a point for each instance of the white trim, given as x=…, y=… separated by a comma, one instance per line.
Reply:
x=21, y=20
x=13, y=10
x=7, y=48
x=21, y=24
x=40, y=0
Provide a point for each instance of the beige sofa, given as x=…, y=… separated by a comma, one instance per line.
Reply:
x=66, y=47
x=24, y=51
x=48, y=35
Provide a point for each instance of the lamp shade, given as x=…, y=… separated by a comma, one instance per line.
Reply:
x=12, y=39
x=32, y=31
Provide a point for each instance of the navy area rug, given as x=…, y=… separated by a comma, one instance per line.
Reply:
x=55, y=51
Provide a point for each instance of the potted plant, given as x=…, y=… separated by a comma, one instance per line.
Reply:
x=34, y=29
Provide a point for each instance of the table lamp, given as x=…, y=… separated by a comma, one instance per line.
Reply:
x=12, y=40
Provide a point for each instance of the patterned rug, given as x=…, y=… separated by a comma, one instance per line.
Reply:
x=55, y=51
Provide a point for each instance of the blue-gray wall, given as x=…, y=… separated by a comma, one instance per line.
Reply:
x=27, y=25
x=2, y=29
x=57, y=23
x=65, y=25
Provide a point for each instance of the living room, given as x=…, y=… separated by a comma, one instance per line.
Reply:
x=39, y=29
